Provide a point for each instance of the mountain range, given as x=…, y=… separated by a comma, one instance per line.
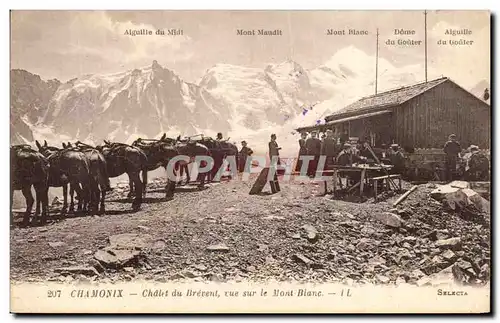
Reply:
x=241, y=102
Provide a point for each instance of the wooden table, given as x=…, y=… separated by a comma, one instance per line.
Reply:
x=362, y=169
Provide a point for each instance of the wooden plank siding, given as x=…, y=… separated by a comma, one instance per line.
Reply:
x=426, y=120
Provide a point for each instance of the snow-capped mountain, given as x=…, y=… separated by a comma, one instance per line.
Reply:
x=142, y=102
x=29, y=98
x=257, y=98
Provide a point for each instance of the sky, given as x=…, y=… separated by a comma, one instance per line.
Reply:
x=67, y=44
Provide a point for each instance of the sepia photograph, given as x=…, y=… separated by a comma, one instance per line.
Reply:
x=259, y=161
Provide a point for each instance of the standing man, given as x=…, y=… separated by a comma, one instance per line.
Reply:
x=274, y=149
x=397, y=159
x=244, y=153
x=452, y=150
x=328, y=149
x=302, y=150
x=313, y=146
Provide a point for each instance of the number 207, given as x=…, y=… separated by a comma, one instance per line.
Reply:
x=54, y=293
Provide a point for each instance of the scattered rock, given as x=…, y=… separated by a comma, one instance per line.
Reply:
x=383, y=279
x=142, y=227
x=56, y=244
x=200, y=267
x=42, y=229
x=301, y=258
x=177, y=276
x=87, y=271
x=274, y=217
x=449, y=255
x=400, y=280
x=97, y=265
x=218, y=247
x=452, y=243
x=270, y=260
x=231, y=210
x=189, y=274
x=310, y=232
x=158, y=245
x=128, y=269
x=423, y=281
x=251, y=269
x=130, y=241
x=389, y=219
x=364, y=244
x=295, y=236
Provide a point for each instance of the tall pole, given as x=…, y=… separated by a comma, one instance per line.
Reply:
x=425, y=27
x=376, y=66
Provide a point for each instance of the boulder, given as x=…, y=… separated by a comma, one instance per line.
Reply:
x=457, y=198
x=112, y=257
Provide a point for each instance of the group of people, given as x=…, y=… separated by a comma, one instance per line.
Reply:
x=474, y=164
x=340, y=152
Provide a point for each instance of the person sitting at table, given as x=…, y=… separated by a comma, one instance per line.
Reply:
x=366, y=153
x=347, y=158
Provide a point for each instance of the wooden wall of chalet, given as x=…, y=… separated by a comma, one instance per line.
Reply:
x=428, y=119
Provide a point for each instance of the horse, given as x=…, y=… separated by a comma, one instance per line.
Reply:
x=99, y=179
x=29, y=168
x=68, y=166
x=159, y=153
x=122, y=158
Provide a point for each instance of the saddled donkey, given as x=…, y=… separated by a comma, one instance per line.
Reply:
x=123, y=158
x=99, y=179
x=191, y=149
x=68, y=166
x=219, y=151
x=159, y=154
x=29, y=168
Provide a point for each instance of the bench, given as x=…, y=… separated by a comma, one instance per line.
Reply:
x=374, y=181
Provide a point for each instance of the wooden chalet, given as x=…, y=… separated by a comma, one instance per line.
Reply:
x=417, y=116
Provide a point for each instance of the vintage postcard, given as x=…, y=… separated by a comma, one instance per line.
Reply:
x=250, y=161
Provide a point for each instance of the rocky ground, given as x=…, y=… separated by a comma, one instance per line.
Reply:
x=222, y=233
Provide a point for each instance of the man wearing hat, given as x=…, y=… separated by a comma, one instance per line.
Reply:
x=313, y=146
x=478, y=165
x=244, y=153
x=328, y=149
x=397, y=159
x=452, y=150
x=302, y=151
x=345, y=156
x=274, y=149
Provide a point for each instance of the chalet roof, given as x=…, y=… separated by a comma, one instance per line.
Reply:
x=386, y=99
